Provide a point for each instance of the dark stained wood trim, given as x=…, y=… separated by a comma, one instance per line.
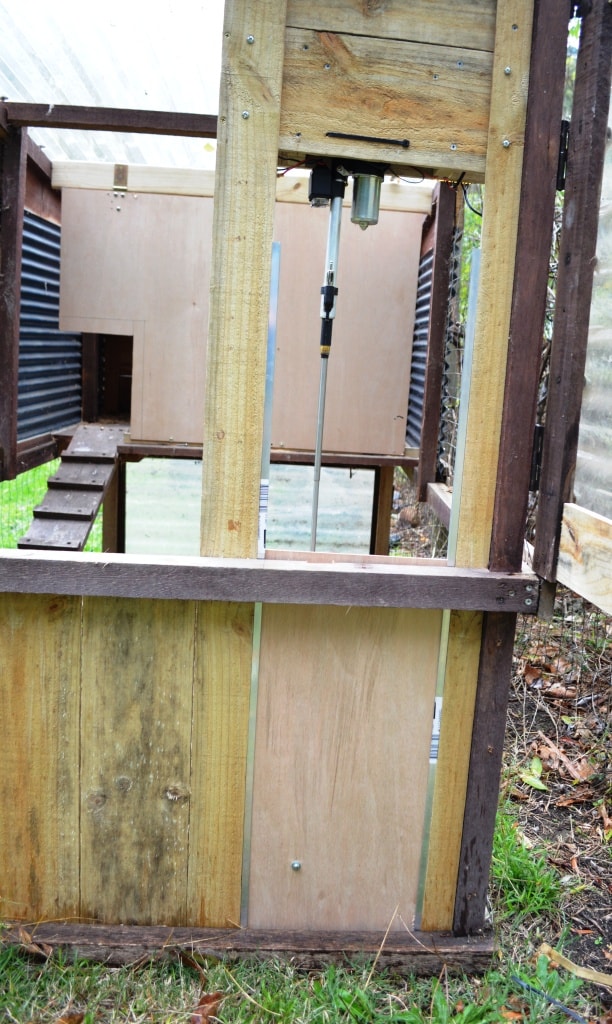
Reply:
x=575, y=279
x=40, y=159
x=90, y=360
x=482, y=795
x=422, y=953
x=111, y=119
x=382, y=506
x=538, y=189
x=12, y=199
x=443, y=245
x=365, y=582
x=36, y=451
x=134, y=450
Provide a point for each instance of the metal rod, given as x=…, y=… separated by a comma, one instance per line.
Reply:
x=328, y=312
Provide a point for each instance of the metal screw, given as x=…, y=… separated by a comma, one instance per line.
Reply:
x=250, y=40
x=453, y=145
x=296, y=865
x=508, y=71
x=528, y=601
x=245, y=115
x=511, y=593
x=529, y=588
x=505, y=143
x=327, y=66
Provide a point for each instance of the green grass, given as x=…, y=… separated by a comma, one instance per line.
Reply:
x=17, y=501
x=522, y=882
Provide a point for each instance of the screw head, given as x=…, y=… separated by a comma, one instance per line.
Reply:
x=508, y=70
x=296, y=865
x=250, y=40
x=506, y=143
x=245, y=115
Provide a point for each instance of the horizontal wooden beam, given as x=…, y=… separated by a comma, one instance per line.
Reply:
x=110, y=119
x=422, y=953
x=368, y=581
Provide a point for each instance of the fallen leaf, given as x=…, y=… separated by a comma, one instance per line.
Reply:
x=207, y=1007
x=71, y=1017
x=586, y=973
x=511, y=1014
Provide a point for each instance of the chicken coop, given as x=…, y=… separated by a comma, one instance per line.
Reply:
x=257, y=750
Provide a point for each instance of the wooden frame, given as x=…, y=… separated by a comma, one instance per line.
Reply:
x=12, y=193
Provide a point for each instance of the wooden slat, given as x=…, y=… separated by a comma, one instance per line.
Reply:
x=111, y=119
x=81, y=476
x=39, y=781
x=443, y=246
x=69, y=504
x=547, y=76
x=56, y=535
x=381, y=513
x=240, y=275
x=12, y=198
x=585, y=555
x=224, y=636
x=367, y=582
x=94, y=443
x=425, y=21
x=575, y=278
x=384, y=88
x=136, y=710
x=405, y=953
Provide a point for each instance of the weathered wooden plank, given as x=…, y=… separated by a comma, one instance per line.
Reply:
x=538, y=188
x=341, y=757
x=12, y=198
x=81, y=476
x=95, y=442
x=382, y=503
x=387, y=89
x=575, y=278
x=56, y=534
x=136, y=709
x=423, y=953
x=442, y=251
x=111, y=119
x=224, y=634
x=365, y=581
x=39, y=782
x=69, y=504
x=482, y=797
x=585, y=555
x=247, y=153
x=472, y=24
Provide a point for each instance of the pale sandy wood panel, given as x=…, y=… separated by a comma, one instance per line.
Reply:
x=436, y=97
x=341, y=760
x=469, y=23
x=220, y=729
x=245, y=190
x=136, y=715
x=369, y=364
x=585, y=555
x=144, y=258
x=39, y=781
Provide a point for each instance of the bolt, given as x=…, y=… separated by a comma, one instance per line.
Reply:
x=296, y=865
x=250, y=40
x=508, y=71
x=245, y=115
x=505, y=143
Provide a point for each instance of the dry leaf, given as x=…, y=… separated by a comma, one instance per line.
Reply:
x=511, y=1014
x=71, y=1017
x=207, y=1007
x=586, y=973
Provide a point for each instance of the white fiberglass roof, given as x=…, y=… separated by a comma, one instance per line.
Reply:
x=159, y=55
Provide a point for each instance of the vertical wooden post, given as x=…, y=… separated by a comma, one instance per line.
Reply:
x=474, y=498
x=12, y=198
x=587, y=145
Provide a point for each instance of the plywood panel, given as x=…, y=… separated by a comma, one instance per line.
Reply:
x=369, y=365
x=343, y=731
x=135, y=765
x=585, y=555
x=39, y=780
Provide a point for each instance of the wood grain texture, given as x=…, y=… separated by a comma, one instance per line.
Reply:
x=39, y=782
x=460, y=663
x=577, y=261
x=474, y=494
x=385, y=88
x=137, y=670
x=425, y=21
x=341, y=761
x=12, y=198
x=538, y=190
x=245, y=188
x=585, y=555
x=224, y=634
x=111, y=119
x=403, y=953
x=367, y=581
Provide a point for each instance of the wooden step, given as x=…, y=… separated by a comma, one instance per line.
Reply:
x=82, y=476
x=56, y=535
x=61, y=503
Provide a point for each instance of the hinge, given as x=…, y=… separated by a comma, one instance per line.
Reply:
x=562, y=162
x=536, y=457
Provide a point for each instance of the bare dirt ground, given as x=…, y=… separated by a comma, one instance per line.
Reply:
x=557, y=770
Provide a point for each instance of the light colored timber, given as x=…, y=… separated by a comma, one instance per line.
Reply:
x=585, y=555
x=291, y=187
x=135, y=760
x=473, y=498
x=472, y=23
x=39, y=792
x=341, y=762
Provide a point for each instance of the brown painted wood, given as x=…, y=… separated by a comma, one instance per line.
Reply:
x=69, y=503
x=12, y=198
x=575, y=279
x=482, y=795
x=395, y=584
x=382, y=503
x=442, y=245
x=423, y=953
x=36, y=451
x=55, y=535
x=85, y=476
x=111, y=119
x=536, y=216
x=90, y=384
x=40, y=197
x=95, y=443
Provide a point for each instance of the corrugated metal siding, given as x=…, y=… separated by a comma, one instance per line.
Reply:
x=419, y=352
x=49, y=392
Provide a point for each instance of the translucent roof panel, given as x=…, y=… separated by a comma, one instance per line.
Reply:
x=160, y=56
